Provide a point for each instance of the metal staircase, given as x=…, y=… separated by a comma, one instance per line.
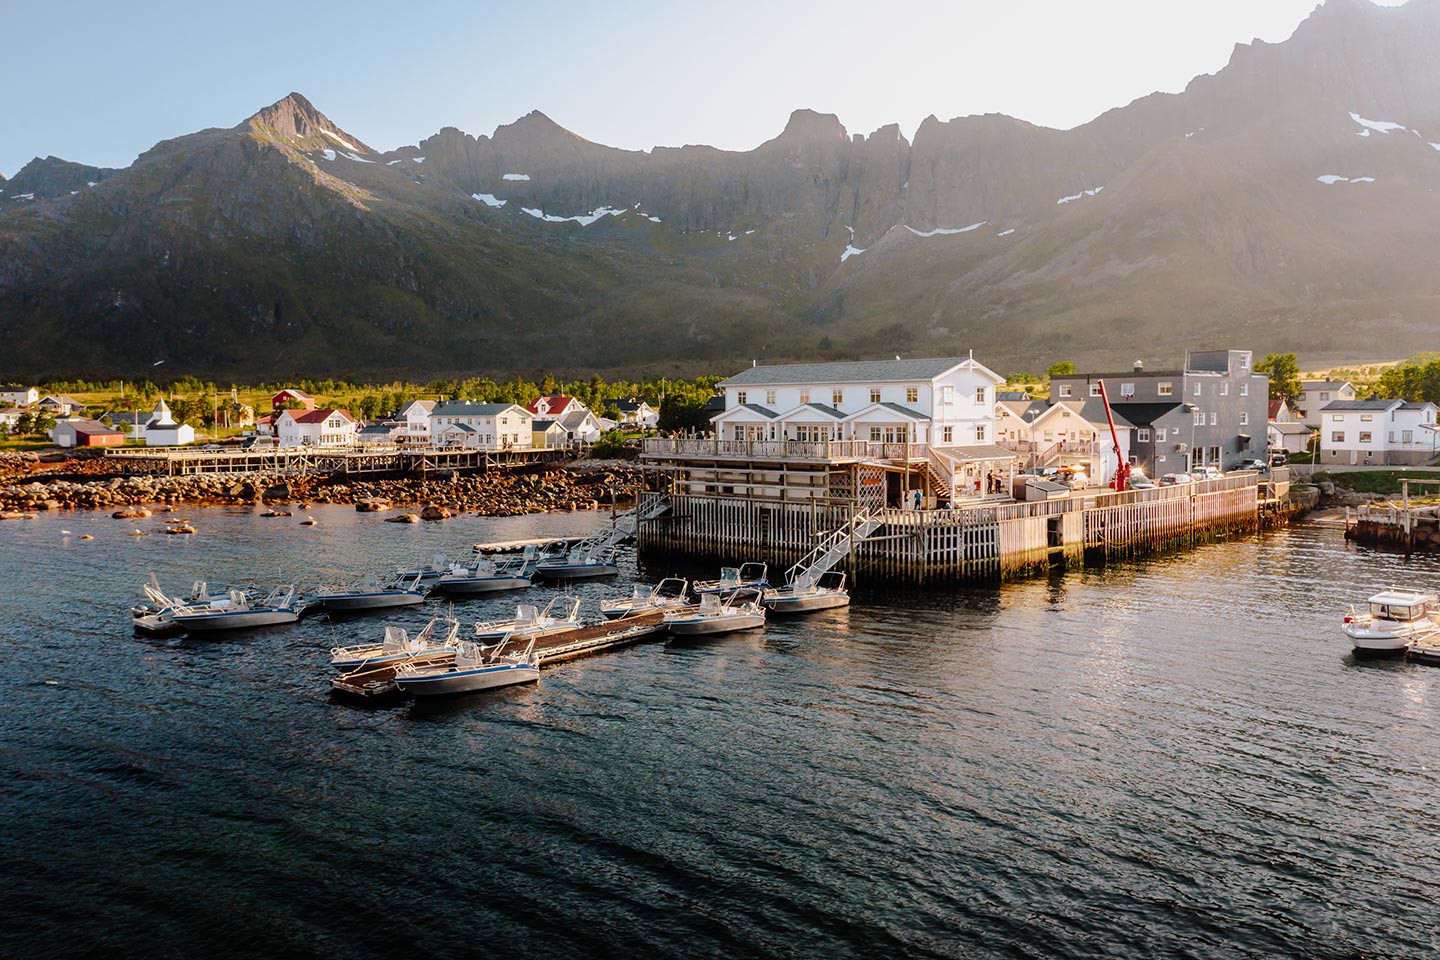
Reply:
x=831, y=549
x=626, y=524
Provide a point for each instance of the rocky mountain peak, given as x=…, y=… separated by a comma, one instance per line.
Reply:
x=808, y=125
x=295, y=121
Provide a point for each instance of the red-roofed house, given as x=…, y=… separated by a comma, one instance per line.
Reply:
x=555, y=406
x=1279, y=411
x=79, y=432
x=290, y=394
x=315, y=428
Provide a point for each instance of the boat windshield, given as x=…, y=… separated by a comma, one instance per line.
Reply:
x=1390, y=611
x=710, y=604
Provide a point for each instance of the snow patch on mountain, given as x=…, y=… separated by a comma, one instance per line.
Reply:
x=1334, y=178
x=584, y=219
x=516, y=176
x=329, y=154
x=1076, y=196
x=489, y=199
x=945, y=231
x=850, y=251
x=1379, y=126
x=342, y=141
x=1005, y=233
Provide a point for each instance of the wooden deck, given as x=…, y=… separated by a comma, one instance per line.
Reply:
x=349, y=461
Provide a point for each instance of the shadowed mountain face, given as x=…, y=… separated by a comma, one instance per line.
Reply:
x=1287, y=202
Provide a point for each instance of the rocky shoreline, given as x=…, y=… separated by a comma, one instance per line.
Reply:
x=581, y=486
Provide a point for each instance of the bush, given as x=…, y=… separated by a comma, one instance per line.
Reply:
x=611, y=446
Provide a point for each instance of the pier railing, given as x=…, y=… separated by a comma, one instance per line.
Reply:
x=820, y=450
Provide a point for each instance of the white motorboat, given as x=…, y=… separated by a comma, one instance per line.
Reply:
x=486, y=576
x=398, y=645
x=667, y=594
x=803, y=596
x=580, y=563
x=748, y=576
x=715, y=615
x=473, y=668
x=372, y=595
x=279, y=606
x=559, y=615
x=1393, y=620
x=427, y=572
x=158, y=615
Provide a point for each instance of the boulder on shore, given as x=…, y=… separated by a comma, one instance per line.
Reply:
x=403, y=518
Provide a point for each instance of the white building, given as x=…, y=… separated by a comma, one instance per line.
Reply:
x=944, y=402
x=315, y=428
x=1315, y=394
x=1377, y=432
x=483, y=426
x=555, y=406
x=1064, y=433
x=636, y=413
x=415, y=422
x=581, y=426
x=162, y=430
x=16, y=395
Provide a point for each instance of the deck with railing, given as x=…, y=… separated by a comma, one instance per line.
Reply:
x=817, y=451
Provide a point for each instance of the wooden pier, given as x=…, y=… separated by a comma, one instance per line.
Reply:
x=349, y=461
x=974, y=542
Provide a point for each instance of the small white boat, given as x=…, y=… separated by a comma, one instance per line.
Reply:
x=434, y=570
x=473, y=668
x=715, y=615
x=667, y=594
x=398, y=646
x=802, y=596
x=486, y=576
x=279, y=606
x=748, y=576
x=158, y=615
x=372, y=595
x=580, y=563
x=1394, y=620
x=559, y=615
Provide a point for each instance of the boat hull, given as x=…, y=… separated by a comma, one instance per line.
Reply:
x=239, y=620
x=467, y=681
x=154, y=623
x=499, y=633
x=576, y=571
x=806, y=602
x=714, y=626
x=1381, y=643
x=481, y=584
x=382, y=659
x=370, y=601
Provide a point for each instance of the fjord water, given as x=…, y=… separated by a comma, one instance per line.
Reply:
x=1172, y=758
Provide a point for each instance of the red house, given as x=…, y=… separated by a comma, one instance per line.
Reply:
x=289, y=394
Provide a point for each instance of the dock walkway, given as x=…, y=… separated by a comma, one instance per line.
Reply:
x=348, y=461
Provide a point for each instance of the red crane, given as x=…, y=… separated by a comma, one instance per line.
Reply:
x=1122, y=470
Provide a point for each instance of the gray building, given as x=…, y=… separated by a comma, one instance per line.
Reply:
x=1211, y=411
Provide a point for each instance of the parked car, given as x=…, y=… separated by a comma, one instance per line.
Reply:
x=1278, y=458
x=1176, y=479
x=1140, y=482
x=1206, y=473
x=1259, y=466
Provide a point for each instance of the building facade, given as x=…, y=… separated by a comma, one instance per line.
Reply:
x=1377, y=433
x=16, y=395
x=1066, y=433
x=79, y=432
x=315, y=428
x=1315, y=394
x=482, y=426
x=1211, y=412
x=415, y=422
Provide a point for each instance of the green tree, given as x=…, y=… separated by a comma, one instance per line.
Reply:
x=24, y=424
x=44, y=422
x=1284, y=375
x=1061, y=368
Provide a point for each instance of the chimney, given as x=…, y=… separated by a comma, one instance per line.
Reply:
x=1139, y=366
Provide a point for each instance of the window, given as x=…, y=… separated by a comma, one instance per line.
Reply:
x=1049, y=436
x=1244, y=389
x=1165, y=389
x=1324, y=396
x=1224, y=389
x=980, y=433
x=741, y=397
x=1337, y=436
x=1391, y=438
x=874, y=394
x=1064, y=389
x=1127, y=389
x=1199, y=389
x=1337, y=418
x=770, y=397
x=804, y=396
x=1244, y=419
x=948, y=434
x=979, y=394
x=1364, y=436
x=947, y=393
x=837, y=397
x=1095, y=389
x=1142, y=435
x=1407, y=436
x=1214, y=418
x=1244, y=361
x=1366, y=418
x=874, y=434
x=1199, y=418
x=912, y=394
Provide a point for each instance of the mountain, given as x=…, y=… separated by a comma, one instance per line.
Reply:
x=1285, y=202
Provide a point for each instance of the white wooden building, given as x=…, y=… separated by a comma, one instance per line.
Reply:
x=1315, y=394
x=163, y=431
x=481, y=426
x=315, y=428
x=415, y=422
x=1378, y=432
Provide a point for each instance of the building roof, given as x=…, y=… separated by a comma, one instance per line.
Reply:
x=1091, y=410
x=379, y=428
x=626, y=406
x=897, y=408
x=467, y=408
x=1289, y=427
x=1323, y=384
x=89, y=428
x=1001, y=395
x=852, y=371
x=1273, y=410
x=1374, y=403
x=553, y=400
x=463, y=427
x=136, y=418
x=543, y=425
x=820, y=408
x=576, y=418
x=765, y=412
x=14, y=388
x=1143, y=414
x=1126, y=375
x=316, y=416
x=63, y=399
x=427, y=405
x=295, y=392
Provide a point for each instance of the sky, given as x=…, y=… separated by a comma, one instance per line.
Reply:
x=100, y=82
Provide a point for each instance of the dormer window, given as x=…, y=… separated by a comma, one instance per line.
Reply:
x=874, y=394
x=1064, y=389
x=1095, y=389
x=741, y=398
x=912, y=394
x=770, y=397
x=804, y=396
x=837, y=397
x=1165, y=389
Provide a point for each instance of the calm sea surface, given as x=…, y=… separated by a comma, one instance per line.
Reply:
x=1176, y=758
